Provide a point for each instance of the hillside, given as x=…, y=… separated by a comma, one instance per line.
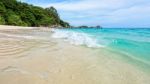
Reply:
x=17, y=13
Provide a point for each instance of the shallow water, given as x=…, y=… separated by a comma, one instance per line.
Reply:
x=131, y=43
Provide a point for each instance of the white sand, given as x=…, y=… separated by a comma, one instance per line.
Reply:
x=3, y=27
x=30, y=61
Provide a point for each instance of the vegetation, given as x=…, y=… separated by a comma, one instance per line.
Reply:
x=2, y=21
x=88, y=26
x=17, y=13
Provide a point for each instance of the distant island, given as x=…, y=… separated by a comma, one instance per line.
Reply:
x=16, y=13
x=98, y=26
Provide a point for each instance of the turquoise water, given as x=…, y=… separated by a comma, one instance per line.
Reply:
x=134, y=43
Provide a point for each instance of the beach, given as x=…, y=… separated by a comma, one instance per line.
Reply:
x=30, y=55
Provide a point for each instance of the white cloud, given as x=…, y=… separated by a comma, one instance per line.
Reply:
x=82, y=5
x=106, y=12
x=86, y=5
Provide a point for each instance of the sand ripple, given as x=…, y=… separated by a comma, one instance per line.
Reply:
x=15, y=48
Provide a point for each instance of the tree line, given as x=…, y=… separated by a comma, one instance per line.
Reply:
x=17, y=13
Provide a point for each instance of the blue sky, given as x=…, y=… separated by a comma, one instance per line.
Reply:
x=107, y=13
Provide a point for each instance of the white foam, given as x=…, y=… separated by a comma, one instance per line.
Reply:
x=77, y=38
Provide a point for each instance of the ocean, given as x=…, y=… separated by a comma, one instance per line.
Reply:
x=132, y=44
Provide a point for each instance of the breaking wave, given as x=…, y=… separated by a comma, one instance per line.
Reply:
x=76, y=38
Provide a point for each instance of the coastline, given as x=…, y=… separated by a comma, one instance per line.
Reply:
x=52, y=61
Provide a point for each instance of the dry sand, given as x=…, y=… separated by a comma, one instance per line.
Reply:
x=3, y=27
x=33, y=61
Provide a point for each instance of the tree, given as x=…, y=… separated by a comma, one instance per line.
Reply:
x=2, y=8
x=9, y=4
x=52, y=12
x=15, y=20
x=2, y=21
x=28, y=17
x=64, y=24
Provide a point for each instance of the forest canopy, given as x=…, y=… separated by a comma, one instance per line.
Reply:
x=17, y=13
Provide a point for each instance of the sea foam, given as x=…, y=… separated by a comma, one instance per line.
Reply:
x=76, y=38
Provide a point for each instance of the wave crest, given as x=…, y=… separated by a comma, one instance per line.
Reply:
x=77, y=38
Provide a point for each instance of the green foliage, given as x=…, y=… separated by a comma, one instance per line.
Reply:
x=2, y=8
x=64, y=24
x=9, y=4
x=2, y=21
x=52, y=12
x=22, y=14
x=14, y=19
x=28, y=17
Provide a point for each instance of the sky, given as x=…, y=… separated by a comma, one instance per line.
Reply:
x=107, y=13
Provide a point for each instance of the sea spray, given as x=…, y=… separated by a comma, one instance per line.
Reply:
x=76, y=38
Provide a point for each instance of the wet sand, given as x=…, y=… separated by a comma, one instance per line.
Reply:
x=36, y=60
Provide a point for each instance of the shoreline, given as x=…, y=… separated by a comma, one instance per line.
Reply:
x=52, y=61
